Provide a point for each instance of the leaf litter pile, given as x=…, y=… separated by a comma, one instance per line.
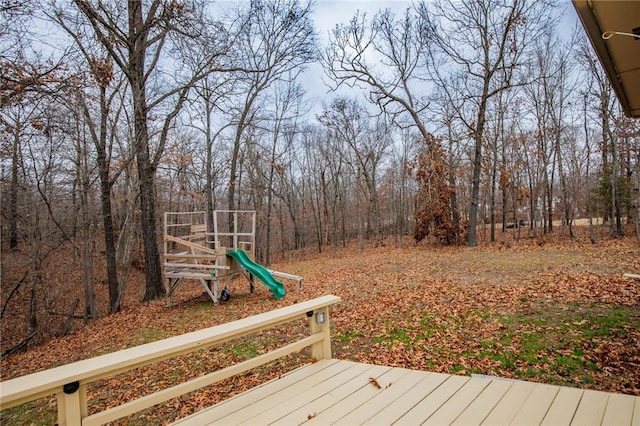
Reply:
x=559, y=313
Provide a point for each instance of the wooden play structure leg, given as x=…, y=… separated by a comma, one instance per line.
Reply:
x=171, y=286
x=212, y=294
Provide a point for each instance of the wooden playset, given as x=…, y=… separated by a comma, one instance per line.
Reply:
x=193, y=252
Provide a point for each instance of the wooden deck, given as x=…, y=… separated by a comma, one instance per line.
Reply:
x=341, y=392
x=328, y=391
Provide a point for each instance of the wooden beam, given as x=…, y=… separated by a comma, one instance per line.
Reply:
x=188, y=266
x=190, y=256
x=189, y=244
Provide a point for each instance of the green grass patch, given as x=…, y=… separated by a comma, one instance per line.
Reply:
x=400, y=335
x=40, y=412
x=397, y=335
x=432, y=323
x=146, y=335
x=615, y=320
x=347, y=336
x=245, y=350
x=456, y=369
x=546, y=340
x=546, y=343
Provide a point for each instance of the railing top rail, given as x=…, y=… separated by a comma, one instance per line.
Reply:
x=36, y=385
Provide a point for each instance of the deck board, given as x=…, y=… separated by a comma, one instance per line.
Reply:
x=535, y=408
x=356, y=393
x=458, y=402
x=363, y=409
x=428, y=383
x=297, y=409
x=340, y=392
x=430, y=404
x=619, y=410
x=591, y=409
x=271, y=407
x=507, y=408
x=383, y=401
x=316, y=399
x=563, y=407
x=480, y=408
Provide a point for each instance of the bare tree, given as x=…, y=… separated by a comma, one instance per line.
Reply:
x=629, y=153
x=15, y=121
x=277, y=39
x=550, y=97
x=398, y=183
x=135, y=37
x=353, y=58
x=212, y=96
x=26, y=76
x=286, y=99
x=499, y=133
x=83, y=182
x=45, y=166
x=605, y=105
x=100, y=67
x=325, y=153
x=364, y=147
x=315, y=178
x=295, y=190
x=480, y=43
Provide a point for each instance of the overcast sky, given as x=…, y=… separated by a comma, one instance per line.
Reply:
x=328, y=13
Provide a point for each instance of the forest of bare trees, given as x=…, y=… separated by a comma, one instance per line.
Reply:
x=444, y=120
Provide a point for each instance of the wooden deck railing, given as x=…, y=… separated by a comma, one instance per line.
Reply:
x=69, y=382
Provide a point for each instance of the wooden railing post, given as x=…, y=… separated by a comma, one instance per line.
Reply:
x=72, y=404
x=319, y=321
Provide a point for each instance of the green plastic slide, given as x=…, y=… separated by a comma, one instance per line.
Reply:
x=276, y=287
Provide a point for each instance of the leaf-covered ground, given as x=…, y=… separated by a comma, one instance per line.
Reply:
x=559, y=313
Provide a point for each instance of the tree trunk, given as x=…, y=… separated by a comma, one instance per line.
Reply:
x=105, y=198
x=13, y=192
x=208, y=188
x=33, y=297
x=126, y=237
x=243, y=122
x=153, y=272
x=615, y=190
x=563, y=183
x=477, y=169
x=549, y=208
x=34, y=275
x=492, y=200
x=66, y=327
x=231, y=196
x=90, y=309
